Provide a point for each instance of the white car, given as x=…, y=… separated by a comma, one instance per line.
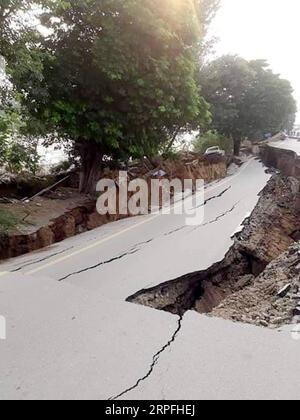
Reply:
x=215, y=151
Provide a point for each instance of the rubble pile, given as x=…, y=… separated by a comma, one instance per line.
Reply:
x=270, y=300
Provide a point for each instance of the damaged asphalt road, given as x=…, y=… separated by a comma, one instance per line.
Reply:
x=40, y=260
x=100, y=264
x=155, y=360
x=83, y=327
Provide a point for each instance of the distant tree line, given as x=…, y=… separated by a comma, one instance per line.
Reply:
x=247, y=99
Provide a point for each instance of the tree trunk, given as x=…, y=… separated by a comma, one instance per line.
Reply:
x=237, y=146
x=172, y=141
x=91, y=166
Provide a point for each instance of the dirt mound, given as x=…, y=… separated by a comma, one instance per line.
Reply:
x=274, y=223
x=271, y=299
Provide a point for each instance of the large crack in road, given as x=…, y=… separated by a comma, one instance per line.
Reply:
x=267, y=234
x=214, y=197
x=221, y=216
x=155, y=360
x=136, y=248
x=100, y=264
x=179, y=229
x=34, y=262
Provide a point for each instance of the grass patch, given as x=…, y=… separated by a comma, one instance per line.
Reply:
x=8, y=221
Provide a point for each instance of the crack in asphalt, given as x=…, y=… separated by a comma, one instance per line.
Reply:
x=155, y=360
x=144, y=243
x=119, y=257
x=33, y=262
x=176, y=230
x=218, y=218
x=214, y=197
x=133, y=251
x=202, y=205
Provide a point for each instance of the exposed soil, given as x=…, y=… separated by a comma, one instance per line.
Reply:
x=286, y=161
x=64, y=212
x=244, y=286
x=18, y=187
x=261, y=302
x=49, y=219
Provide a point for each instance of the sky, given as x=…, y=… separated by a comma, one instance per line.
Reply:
x=268, y=29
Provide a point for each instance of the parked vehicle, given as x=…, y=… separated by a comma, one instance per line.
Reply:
x=214, y=151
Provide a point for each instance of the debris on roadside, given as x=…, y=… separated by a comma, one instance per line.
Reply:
x=284, y=291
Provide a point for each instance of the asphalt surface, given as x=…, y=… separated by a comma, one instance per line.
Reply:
x=288, y=144
x=72, y=335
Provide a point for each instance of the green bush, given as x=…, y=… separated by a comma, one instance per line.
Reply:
x=7, y=221
x=211, y=139
x=17, y=153
x=172, y=155
x=63, y=166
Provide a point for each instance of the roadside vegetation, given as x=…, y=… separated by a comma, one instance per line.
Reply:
x=17, y=152
x=212, y=138
x=121, y=80
x=8, y=221
x=248, y=101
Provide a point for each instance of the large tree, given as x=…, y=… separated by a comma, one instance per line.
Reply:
x=248, y=100
x=13, y=25
x=18, y=55
x=118, y=77
x=269, y=106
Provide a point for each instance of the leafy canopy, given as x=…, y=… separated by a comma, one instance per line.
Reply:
x=247, y=98
x=119, y=73
x=211, y=139
x=17, y=153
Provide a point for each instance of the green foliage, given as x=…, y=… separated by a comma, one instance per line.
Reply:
x=7, y=221
x=248, y=100
x=172, y=155
x=118, y=74
x=211, y=139
x=270, y=102
x=63, y=166
x=17, y=153
x=12, y=25
x=134, y=82
x=20, y=57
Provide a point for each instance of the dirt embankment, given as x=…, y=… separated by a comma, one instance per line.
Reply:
x=195, y=166
x=286, y=161
x=47, y=220
x=270, y=300
x=245, y=285
x=64, y=213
